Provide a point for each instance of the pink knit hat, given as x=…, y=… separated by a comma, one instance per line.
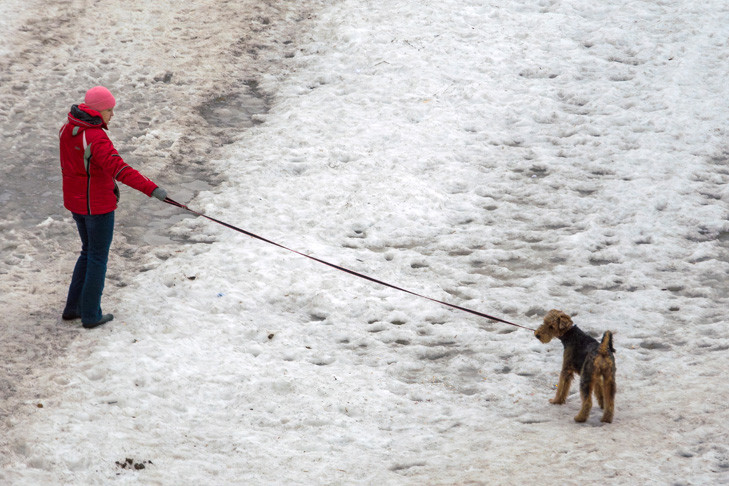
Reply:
x=99, y=98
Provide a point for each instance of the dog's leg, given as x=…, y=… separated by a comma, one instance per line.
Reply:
x=599, y=388
x=587, y=383
x=609, y=389
x=563, y=387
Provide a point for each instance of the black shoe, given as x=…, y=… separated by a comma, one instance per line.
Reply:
x=104, y=319
x=69, y=316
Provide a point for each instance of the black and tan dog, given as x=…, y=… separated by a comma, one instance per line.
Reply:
x=593, y=361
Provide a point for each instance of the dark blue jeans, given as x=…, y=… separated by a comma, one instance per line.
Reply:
x=87, y=285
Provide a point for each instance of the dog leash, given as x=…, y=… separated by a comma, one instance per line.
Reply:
x=345, y=270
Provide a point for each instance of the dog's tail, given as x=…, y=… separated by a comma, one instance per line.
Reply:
x=606, y=346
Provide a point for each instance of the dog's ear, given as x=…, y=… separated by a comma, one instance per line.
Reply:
x=565, y=322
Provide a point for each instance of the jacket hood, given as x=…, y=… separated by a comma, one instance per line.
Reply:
x=85, y=117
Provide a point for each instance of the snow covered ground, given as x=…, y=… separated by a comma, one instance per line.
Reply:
x=509, y=156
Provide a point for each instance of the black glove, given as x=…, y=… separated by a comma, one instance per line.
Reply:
x=116, y=192
x=160, y=194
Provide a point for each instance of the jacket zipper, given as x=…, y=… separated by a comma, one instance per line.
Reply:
x=87, y=163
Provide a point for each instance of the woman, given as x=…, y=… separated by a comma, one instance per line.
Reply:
x=91, y=166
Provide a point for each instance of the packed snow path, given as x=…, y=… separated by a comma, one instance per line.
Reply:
x=513, y=156
x=183, y=92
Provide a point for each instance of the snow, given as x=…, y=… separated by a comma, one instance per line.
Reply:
x=508, y=156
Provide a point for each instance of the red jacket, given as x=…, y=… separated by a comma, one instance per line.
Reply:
x=90, y=165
